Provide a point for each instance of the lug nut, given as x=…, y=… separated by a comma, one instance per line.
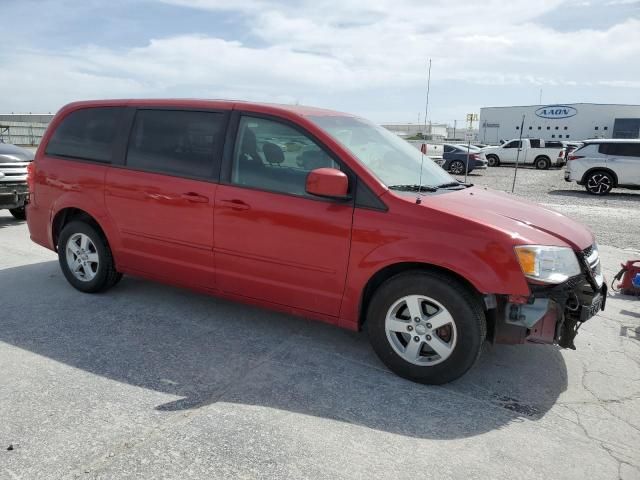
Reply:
x=428, y=337
x=410, y=328
x=428, y=325
x=417, y=319
x=416, y=338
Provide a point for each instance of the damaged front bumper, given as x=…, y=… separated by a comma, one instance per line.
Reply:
x=553, y=314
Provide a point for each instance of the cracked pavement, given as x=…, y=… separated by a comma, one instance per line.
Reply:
x=150, y=381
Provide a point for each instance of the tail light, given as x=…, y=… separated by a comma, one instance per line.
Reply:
x=31, y=180
x=575, y=157
x=474, y=156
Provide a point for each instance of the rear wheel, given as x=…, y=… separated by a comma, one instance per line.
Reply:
x=599, y=183
x=19, y=213
x=85, y=258
x=493, y=161
x=542, y=163
x=456, y=167
x=427, y=327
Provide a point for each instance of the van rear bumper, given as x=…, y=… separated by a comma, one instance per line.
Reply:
x=38, y=221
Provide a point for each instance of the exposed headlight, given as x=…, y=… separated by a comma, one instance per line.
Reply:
x=547, y=264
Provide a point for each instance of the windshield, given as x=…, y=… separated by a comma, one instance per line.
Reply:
x=391, y=159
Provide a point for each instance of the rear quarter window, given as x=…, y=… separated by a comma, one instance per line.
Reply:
x=624, y=149
x=86, y=134
x=183, y=143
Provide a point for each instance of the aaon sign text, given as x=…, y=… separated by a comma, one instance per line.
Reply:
x=556, y=111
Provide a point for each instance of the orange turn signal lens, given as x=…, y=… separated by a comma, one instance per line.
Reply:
x=527, y=259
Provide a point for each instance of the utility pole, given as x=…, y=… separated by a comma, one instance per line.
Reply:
x=455, y=123
x=515, y=173
x=471, y=117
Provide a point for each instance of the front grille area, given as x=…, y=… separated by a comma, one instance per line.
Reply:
x=13, y=172
x=592, y=256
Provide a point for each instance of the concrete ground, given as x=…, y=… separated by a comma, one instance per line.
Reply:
x=150, y=381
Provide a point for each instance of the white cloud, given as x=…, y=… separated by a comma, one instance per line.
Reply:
x=319, y=48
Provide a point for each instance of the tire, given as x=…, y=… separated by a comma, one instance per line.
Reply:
x=542, y=163
x=19, y=213
x=493, y=161
x=459, y=340
x=456, y=167
x=80, y=244
x=599, y=182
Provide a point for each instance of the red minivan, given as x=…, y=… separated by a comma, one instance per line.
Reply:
x=312, y=212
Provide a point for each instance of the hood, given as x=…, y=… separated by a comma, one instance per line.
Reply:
x=525, y=222
x=11, y=154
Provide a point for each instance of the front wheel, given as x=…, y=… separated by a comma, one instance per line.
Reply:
x=19, y=213
x=493, y=161
x=426, y=327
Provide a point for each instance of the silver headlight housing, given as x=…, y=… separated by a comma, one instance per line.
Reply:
x=548, y=264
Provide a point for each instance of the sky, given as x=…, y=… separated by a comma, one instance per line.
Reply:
x=367, y=57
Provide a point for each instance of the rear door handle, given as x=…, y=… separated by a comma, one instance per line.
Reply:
x=195, y=197
x=236, y=204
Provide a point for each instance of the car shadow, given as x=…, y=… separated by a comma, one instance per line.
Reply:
x=614, y=195
x=203, y=350
x=9, y=221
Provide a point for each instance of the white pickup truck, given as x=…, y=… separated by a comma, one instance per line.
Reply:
x=533, y=151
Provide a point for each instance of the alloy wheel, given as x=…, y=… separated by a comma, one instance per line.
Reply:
x=82, y=257
x=421, y=330
x=457, y=168
x=599, y=183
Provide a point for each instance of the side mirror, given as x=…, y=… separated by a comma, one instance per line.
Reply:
x=328, y=182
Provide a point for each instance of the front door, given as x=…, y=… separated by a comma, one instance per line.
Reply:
x=273, y=241
x=162, y=199
x=510, y=152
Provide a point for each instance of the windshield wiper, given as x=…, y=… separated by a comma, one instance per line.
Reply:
x=454, y=184
x=414, y=188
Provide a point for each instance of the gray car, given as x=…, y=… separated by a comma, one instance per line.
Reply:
x=14, y=192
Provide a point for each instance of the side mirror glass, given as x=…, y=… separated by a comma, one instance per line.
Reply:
x=328, y=182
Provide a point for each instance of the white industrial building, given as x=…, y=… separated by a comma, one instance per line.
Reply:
x=567, y=122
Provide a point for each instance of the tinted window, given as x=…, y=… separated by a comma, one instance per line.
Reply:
x=513, y=144
x=534, y=142
x=448, y=149
x=623, y=149
x=176, y=142
x=272, y=156
x=87, y=134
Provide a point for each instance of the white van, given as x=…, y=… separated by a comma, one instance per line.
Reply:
x=603, y=164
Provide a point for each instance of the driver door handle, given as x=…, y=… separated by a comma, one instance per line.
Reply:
x=195, y=197
x=236, y=204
